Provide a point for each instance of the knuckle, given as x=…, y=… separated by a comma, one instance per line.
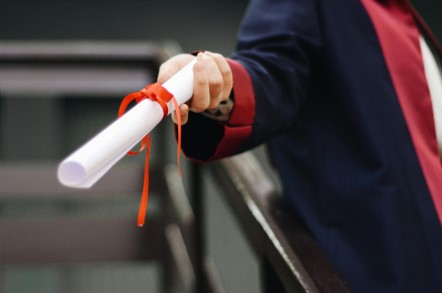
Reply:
x=216, y=83
x=199, y=105
x=200, y=82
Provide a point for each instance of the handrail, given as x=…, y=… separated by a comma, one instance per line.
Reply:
x=271, y=230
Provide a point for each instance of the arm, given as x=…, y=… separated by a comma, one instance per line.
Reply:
x=270, y=71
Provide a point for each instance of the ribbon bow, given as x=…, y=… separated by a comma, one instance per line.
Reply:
x=157, y=93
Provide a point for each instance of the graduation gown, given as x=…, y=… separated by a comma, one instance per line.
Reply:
x=337, y=90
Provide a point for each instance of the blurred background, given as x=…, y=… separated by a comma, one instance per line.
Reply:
x=65, y=65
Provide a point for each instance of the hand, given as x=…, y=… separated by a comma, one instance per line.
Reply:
x=212, y=81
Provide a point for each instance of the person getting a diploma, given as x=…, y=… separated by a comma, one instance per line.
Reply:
x=348, y=97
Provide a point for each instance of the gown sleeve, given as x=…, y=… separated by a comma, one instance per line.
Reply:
x=277, y=46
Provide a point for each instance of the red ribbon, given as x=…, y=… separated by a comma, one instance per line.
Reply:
x=157, y=93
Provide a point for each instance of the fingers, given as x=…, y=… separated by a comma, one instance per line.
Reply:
x=201, y=91
x=226, y=79
x=212, y=81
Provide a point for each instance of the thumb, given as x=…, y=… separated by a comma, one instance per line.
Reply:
x=184, y=114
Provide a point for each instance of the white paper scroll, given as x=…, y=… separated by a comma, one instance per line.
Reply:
x=90, y=162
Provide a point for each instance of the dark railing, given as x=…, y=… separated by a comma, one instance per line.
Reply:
x=289, y=254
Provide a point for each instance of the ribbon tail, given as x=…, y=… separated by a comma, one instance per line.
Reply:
x=159, y=94
x=178, y=150
x=145, y=193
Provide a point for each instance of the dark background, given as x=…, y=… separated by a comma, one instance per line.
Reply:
x=195, y=24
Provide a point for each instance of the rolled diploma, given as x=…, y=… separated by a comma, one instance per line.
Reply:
x=90, y=162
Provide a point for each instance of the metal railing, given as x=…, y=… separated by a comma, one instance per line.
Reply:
x=289, y=254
